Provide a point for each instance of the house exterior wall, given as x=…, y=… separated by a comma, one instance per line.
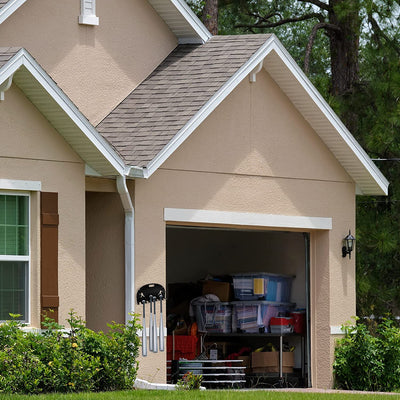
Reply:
x=105, y=262
x=32, y=150
x=255, y=153
x=96, y=66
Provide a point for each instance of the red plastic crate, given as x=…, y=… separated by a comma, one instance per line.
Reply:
x=185, y=347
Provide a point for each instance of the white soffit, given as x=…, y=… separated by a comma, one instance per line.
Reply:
x=62, y=114
x=9, y=8
x=181, y=20
x=230, y=218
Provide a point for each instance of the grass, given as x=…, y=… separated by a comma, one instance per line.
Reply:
x=204, y=395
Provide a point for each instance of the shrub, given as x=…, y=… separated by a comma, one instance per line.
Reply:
x=59, y=360
x=364, y=361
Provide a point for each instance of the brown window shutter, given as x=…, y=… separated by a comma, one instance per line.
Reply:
x=49, y=255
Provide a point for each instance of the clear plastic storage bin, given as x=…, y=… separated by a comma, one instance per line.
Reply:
x=213, y=317
x=248, y=286
x=262, y=286
x=254, y=316
x=277, y=287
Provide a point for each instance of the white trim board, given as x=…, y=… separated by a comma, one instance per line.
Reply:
x=337, y=330
x=245, y=219
x=9, y=184
x=9, y=9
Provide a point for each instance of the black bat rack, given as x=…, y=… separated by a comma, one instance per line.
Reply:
x=155, y=290
x=152, y=293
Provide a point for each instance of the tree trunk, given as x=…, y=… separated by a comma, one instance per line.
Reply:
x=210, y=16
x=344, y=45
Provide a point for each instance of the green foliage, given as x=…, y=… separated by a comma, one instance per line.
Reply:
x=371, y=111
x=72, y=360
x=189, y=381
x=364, y=361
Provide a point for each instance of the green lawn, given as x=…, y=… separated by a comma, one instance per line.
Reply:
x=204, y=395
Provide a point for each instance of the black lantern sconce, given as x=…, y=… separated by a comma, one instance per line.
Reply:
x=348, y=246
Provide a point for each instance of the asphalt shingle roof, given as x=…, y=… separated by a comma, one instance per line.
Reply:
x=6, y=53
x=142, y=124
x=3, y=3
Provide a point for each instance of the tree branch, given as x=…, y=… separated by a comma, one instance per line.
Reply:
x=379, y=33
x=311, y=40
x=320, y=4
x=264, y=24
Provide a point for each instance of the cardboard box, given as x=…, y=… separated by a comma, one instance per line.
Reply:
x=221, y=289
x=263, y=362
x=246, y=362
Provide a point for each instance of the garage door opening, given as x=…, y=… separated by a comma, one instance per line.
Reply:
x=248, y=271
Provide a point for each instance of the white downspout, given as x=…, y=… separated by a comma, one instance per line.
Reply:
x=129, y=246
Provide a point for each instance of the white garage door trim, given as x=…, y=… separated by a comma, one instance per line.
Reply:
x=246, y=219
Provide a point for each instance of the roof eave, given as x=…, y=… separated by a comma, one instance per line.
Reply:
x=194, y=31
x=9, y=8
x=37, y=85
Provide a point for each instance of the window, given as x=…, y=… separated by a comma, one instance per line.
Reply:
x=88, y=13
x=14, y=255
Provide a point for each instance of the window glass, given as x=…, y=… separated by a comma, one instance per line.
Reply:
x=14, y=254
x=14, y=229
x=12, y=288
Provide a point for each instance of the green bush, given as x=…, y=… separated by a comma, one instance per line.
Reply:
x=366, y=361
x=72, y=360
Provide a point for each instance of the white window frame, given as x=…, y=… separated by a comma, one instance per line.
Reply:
x=23, y=258
x=88, y=13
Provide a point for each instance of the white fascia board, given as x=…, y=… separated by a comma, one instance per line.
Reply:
x=9, y=184
x=9, y=9
x=210, y=106
x=331, y=116
x=210, y=217
x=192, y=19
x=25, y=59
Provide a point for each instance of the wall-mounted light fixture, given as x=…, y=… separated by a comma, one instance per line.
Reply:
x=348, y=245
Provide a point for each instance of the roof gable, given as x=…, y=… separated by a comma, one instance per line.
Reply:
x=63, y=115
x=154, y=122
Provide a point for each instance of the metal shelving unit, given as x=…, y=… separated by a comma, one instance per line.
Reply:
x=216, y=373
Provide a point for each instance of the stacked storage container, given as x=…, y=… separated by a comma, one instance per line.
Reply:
x=260, y=296
x=215, y=317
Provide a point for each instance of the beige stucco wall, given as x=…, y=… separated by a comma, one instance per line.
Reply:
x=32, y=150
x=105, y=279
x=97, y=66
x=255, y=153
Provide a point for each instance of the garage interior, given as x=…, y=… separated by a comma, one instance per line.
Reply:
x=196, y=254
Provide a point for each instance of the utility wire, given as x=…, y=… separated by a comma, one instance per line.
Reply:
x=385, y=159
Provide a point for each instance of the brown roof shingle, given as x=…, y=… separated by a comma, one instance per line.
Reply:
x=6, y=53
x=141, y=125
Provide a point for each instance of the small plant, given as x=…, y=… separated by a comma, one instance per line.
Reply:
x=189, y=381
